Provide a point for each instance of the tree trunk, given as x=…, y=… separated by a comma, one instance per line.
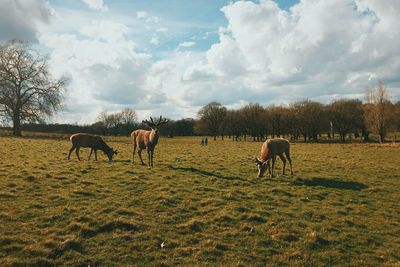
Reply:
x=16, y=124
x=381, y=137
x=365, y=135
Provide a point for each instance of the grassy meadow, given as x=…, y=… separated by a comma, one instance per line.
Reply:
x=201, y=206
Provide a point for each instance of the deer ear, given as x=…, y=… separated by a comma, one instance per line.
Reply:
x=115, y=152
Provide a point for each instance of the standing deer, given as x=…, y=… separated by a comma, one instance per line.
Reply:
x=147, y=140
x=95, y=142
x=269, y=150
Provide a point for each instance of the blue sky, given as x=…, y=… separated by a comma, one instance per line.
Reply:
x=197, y=20
x=171, y=57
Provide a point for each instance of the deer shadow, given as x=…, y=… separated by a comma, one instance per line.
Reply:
x=330, y=183
x=206, y=173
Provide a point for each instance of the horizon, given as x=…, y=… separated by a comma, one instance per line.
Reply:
x=170, y=58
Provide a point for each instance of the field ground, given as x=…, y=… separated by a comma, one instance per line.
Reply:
x=205, y=204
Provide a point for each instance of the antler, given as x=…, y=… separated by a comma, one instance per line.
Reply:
x=152, y=124
x=161, y=121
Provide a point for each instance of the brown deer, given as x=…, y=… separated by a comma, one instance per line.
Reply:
x=269, y=150
x=95, y=142
x=144, y=139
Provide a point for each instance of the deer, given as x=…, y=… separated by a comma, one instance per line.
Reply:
x=143, y=139
x=269, y=150
x=95, y=142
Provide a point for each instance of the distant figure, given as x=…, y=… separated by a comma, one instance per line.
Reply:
x=203, y=141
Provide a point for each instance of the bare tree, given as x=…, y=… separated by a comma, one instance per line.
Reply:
x=28, y=92
x=234, y=124
x=310, y=118
x=104, y=121
x=346, y=116
x=378, y=111
x=128, y=119
x=211, y=117
x=254, y=120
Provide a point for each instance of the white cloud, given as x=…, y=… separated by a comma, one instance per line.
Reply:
x=21, y=19
x=186, y=44
x=96, y=5
x=141, y=14
x=106, y=72
x=315, y=50
x=163, y=29
x=154, y=40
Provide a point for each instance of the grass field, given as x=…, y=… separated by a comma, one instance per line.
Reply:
x=204, y=204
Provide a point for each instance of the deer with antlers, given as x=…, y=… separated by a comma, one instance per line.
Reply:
x=143, y=139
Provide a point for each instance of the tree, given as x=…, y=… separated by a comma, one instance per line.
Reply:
x=234, y=124
x=28, y=92
x=254, y=120
x=397, y=116
x=128, y=118
x=310, y=118
x=346, y=116
x=378, y=111
x=211, y=117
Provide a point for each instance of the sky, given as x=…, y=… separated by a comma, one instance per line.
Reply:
x=171, y=57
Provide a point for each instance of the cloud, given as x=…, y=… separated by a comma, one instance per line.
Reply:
x=186, y=44
x=21, y=19
x=154, y=40
x=106, y=72
x=141, y=14
x=96, y=5
x=316, y=49
x=163, y=29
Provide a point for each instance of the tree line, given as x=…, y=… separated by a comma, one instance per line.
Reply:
x=301, y=120
x=304, y=119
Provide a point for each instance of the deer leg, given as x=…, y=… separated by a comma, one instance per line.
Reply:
x=273, y=166
x=149, y=157
x=152, y=153
x=284, y=163
x=77, y=152
x=140, y=155
x=70, y=151
x=290, y=162
x=95, y=154
x=91, y=150
x=133, y=152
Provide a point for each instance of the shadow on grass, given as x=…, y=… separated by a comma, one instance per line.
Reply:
x=331, y=183
x=207, y=173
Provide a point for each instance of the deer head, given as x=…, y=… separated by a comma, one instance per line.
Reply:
x=262, y=166
x=111, y=153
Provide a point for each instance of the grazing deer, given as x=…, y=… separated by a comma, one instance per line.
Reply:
x=147, y=140
x=269, y=150
x=95, y=142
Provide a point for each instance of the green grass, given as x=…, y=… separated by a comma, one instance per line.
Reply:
x=205, y=203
